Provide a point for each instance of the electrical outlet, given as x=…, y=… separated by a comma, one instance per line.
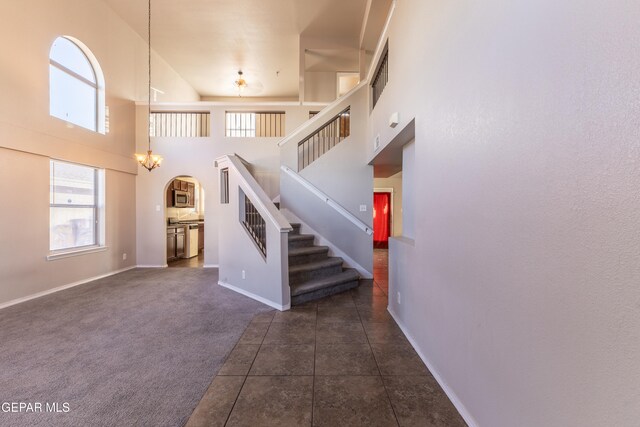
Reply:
x=376, y=142
x=124, y=256
x=244, y=276
x=399, y=298
x=363, y=208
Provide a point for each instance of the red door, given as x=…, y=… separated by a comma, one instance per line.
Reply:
x=381, y=219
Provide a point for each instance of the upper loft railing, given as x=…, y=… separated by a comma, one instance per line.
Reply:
x=324, y=139
x=381, y=77
x=254, y=124
x=180, y=124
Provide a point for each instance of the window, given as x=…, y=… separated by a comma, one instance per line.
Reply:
x=224, y=186
x=76, y=85
x=254, y=124
x=75, y=212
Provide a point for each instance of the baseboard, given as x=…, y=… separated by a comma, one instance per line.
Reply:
x=255, y=297
x=211, y=266
x=447, y=390
x=152, y=266
x=62, y=288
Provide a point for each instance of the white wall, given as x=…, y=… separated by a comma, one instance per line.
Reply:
x=410, y=183
x=243, y=267
x=29, y=136
x=343, y=174
x=523, y=293
x=320, y=86
x=195, y=157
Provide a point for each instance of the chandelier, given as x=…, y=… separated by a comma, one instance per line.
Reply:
x=149, y=161
x=240, y=83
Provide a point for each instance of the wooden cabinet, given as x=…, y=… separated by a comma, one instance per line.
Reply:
x=180, y=185
x=200, y=237
x=175, y=243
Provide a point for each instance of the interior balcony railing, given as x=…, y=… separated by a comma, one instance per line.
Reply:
x=381, y=77
x=324, y=139
x=180, y=124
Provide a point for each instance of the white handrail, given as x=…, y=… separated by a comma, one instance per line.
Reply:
x=256, y=194
x=328, y=200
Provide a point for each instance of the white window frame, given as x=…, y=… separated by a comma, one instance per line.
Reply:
x=99, y=214
x=100, y=123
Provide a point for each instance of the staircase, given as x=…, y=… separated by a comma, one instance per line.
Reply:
x=313, y=274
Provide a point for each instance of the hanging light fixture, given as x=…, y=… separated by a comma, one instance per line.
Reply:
x=149, y=161
x=240, y=83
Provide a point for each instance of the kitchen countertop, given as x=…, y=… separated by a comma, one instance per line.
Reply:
x=184, y=224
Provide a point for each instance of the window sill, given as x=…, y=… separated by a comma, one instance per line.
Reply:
x=77, y=252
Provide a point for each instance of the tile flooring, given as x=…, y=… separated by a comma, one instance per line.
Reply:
x=340, y=361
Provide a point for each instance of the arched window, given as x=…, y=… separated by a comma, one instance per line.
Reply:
x=76, y=85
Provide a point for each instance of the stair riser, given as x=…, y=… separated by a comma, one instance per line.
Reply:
x=305, y=259
x=296, y=229
x=294, y=244
x=321, y=293
x=319, y=273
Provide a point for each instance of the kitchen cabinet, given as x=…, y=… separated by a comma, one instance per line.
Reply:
x=175, y=243
x=180, y=185
x=200, y=237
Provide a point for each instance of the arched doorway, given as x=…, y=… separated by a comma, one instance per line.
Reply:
x=184, y=213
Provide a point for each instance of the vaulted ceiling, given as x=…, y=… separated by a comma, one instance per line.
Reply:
x=208, y=41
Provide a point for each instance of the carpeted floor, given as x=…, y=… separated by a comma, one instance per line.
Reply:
x=137, y=348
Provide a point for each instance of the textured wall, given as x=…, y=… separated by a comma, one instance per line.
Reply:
x=524, y=296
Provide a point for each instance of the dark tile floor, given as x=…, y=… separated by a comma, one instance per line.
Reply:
x=340, y=361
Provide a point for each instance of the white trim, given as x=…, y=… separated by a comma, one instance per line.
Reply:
x=211, y=266
x=152, y=266
x=468, y=418
x=255, y=297
x=328, y=200
x=90, y=250
x=63, y=287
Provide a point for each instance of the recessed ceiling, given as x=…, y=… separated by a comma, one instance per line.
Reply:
x=208, y=41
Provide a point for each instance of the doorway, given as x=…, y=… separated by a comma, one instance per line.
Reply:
x=382, y=211
x=184, y=214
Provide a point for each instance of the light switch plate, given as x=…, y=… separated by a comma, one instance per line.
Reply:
x=363, y=208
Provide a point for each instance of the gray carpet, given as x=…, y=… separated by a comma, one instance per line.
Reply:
x=137, y=348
